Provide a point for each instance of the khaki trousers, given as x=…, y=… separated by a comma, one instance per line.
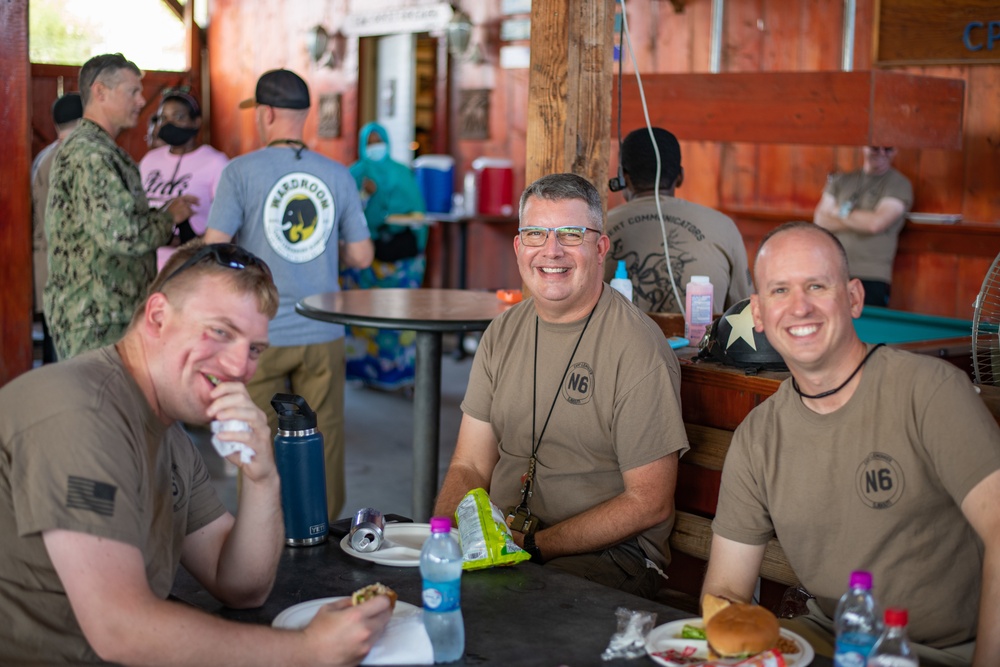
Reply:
x=316, y=373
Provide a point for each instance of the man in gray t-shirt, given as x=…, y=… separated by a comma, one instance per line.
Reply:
x=298, y=211
x=866, y=209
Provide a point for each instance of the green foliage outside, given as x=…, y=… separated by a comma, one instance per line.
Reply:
x=56, y=37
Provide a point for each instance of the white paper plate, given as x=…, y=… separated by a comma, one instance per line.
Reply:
x=935, y=218
x=299, y=616
x=401, y=545
x=667, y=636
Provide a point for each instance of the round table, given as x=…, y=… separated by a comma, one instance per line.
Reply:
x=431, y=313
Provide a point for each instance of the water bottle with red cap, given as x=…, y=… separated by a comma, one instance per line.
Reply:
x=893, y=648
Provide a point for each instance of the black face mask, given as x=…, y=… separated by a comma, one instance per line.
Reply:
x=176, y=136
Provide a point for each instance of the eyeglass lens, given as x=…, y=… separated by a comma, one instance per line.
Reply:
x=537, y=236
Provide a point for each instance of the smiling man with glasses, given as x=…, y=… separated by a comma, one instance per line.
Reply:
x=866, y=209
x=572, y=419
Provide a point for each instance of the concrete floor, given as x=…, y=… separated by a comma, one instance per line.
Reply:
x=379, y=436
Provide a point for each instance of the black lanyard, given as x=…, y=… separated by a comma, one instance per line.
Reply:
x=528, y=478
x=299, y=146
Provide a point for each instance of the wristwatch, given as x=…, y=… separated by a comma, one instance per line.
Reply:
x=532, y=548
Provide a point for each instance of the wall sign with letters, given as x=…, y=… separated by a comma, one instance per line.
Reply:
x=931, y=32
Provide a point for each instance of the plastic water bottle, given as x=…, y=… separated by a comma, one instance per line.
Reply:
x=621, y=282
x=441, y=570
x=893, y=648
x=857, y=621
x=698, y=308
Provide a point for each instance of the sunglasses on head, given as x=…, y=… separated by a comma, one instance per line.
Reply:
x=224, y=254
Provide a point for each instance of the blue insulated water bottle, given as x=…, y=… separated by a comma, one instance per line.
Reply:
x=298, y=453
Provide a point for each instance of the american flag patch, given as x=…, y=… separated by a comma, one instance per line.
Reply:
x=91, y=495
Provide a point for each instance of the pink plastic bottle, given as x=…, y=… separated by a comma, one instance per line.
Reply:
x=698, y=308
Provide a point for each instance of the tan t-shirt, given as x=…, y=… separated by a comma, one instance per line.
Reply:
x=870, y=256
x=81, y=450
x=618, y=408
x=703, y=242
x=876, y=485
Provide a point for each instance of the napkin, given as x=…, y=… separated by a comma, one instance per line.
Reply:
x=226, y=448
x=404, y=642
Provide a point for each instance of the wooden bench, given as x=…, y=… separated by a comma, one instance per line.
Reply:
x=692, y=534
x=714, y=400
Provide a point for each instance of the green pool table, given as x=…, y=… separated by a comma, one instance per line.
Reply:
x=946, y=337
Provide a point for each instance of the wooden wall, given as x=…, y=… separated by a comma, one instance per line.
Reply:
x=758, y=185
x=15, y=204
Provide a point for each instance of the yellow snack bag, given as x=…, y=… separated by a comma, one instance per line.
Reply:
x=486, y=540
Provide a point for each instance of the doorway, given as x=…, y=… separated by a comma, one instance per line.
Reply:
x=399, y=87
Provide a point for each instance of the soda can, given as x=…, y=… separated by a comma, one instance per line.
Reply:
x=367, y=529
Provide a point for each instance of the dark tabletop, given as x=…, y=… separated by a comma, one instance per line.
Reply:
x=414, y=309
x=520, y=615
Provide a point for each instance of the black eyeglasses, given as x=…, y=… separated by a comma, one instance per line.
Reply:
x=225, y=254
x=570, y=236
x=881, y=149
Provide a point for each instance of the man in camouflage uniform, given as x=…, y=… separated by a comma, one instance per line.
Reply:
x=102, y=234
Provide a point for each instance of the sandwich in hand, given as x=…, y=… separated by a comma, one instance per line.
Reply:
x=738, y=630
x=370, y=591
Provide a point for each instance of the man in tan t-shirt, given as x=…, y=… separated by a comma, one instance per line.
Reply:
x=576, y=392
x=103, y=495
x=867, y=458
x=866, y=209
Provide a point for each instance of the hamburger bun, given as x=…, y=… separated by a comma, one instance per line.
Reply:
x=370, y=591
x=740, y=629
x=711, y=605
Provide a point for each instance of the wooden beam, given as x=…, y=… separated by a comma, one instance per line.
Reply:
x=15, y=206
x=571, y=62
x=870, y=108
x=176, y=7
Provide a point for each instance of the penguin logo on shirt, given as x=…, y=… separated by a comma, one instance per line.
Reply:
x=299, y=215
x=579, y=385
x=880, y=481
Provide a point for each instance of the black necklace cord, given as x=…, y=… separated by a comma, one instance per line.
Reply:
x=850, y=377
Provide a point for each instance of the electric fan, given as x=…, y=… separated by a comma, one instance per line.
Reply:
x=986, y=329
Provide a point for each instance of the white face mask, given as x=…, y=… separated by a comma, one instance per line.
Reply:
x=376, y=151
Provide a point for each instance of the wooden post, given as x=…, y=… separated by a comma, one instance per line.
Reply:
x=15, y=206
x=569, y=90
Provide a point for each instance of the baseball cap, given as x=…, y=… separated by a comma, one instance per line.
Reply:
x=67, y=108
x=279, y=88
x=638, y=158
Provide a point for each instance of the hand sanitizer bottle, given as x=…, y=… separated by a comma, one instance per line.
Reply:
x=621, y=282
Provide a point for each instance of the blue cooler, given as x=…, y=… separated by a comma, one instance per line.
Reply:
x=435, y=176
